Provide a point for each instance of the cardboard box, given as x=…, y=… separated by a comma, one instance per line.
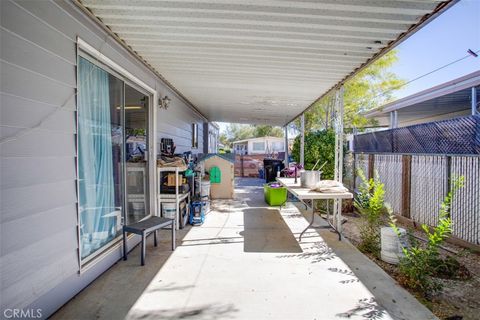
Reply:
x=171, y=180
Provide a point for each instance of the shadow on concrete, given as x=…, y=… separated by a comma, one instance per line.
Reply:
x=203, y=312
x=112, y=295
x=170, y=287
x=351, y=278
x=266, y=231
x=366, y=308
x=318, y=252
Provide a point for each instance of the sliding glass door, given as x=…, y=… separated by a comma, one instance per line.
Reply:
x=136, y=150
x=112, y=156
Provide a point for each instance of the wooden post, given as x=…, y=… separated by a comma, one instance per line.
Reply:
x=448, y=175
x=406, y=185
x=242, y=170
x=354, y=173
x=371, y=165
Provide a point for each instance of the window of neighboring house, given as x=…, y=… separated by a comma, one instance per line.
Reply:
x=258, y=146
x=112, y=127
x=277, y=146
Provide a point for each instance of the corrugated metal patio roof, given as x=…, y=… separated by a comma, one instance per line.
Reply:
x=260, y=61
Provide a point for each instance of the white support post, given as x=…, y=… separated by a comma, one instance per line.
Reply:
x=474, y=102
x=286, y=146
x=393, y=119
x=338, y=175
x=302, y=140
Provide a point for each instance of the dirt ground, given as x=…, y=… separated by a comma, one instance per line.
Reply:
x=460, y=299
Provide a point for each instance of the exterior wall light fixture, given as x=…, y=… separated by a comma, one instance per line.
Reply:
x=164, y=102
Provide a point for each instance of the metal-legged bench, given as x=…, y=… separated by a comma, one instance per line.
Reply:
x=145, y=227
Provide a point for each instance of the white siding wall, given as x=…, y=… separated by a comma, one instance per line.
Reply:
x=38, y=257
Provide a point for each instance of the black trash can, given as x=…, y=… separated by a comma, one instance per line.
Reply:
x=271, y=167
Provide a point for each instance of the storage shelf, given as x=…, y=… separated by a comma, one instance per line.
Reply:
x=172, y=196
x=170, y=169
x=176, y=198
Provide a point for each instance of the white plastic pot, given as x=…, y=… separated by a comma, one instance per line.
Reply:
x=392, y=244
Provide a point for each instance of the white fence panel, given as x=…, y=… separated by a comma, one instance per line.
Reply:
x=389, y=169
x=361, y=163
x=465, y=211
x=428, y=189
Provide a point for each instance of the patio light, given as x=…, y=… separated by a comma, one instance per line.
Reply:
x=164, y=102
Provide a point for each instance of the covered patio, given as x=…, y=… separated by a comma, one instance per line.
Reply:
x=245, y=262
x=185, y=64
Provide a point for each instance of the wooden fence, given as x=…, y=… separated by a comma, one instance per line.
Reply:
x=416, y=185
x=248, y=165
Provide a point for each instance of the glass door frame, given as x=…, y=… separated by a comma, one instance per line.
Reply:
x=149, y=174
x=94, y=56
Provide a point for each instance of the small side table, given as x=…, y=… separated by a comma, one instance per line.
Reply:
x=144, y=228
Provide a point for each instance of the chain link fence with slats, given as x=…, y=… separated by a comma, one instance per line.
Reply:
x=466, y=203
x=389, y=169
x=424, y=183
x=459, y=136
x=428, y=188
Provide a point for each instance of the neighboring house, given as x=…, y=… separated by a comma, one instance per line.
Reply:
x=54, y=238
x=445, y=101
x=262, y=145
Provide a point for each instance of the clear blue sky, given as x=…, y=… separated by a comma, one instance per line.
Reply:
x=444, y=40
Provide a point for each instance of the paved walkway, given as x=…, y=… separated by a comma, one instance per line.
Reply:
x=245, y=262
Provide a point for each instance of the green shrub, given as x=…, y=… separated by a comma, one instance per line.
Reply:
x=319, y=145
x=422, y=263
x=370, y=203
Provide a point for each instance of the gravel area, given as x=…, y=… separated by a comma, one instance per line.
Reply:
x=460, y=299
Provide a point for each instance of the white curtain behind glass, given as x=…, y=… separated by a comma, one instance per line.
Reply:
x=96, y=181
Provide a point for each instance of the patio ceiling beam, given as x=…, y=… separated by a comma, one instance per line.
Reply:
x=329, y=8
x=212, y=61
x=260, y=20
x=358, y=19
x=234, y=69
x=243, y=55
x=228, y=27
x=246, y=76
x=339, y=44
x=319, y=36
x=253, y=48
x=210, y=69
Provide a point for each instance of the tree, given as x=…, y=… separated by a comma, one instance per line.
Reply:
x=265, y=130
x=223, y=138
x=370, y=88
x=321, y=148
x=235, y=132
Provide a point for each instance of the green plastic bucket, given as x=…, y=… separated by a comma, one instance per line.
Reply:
x=275, y=196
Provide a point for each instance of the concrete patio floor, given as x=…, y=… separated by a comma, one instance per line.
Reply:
x=245, y=262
